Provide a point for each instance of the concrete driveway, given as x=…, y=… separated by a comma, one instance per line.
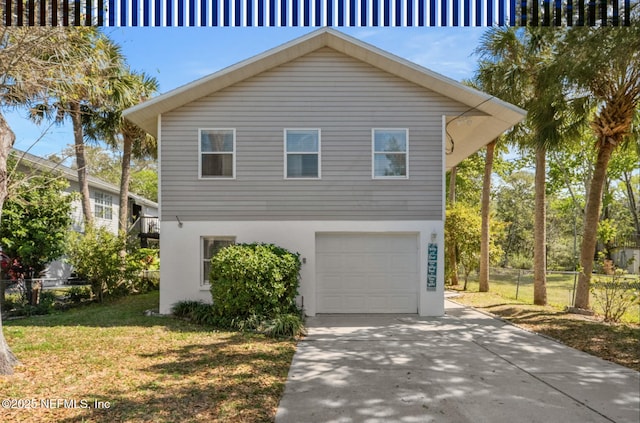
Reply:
x=463, y=367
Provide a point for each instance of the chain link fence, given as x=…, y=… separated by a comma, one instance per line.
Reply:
x=517, y=284
x=24, y=290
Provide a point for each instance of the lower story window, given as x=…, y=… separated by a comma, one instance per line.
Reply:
x=210, y=246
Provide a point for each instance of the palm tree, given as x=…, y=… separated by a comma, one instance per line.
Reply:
x=603, y=63
x=129, y=89
x=517, y=66
x=97, y=61
x=484, y=213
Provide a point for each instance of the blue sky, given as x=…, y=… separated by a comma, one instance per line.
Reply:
x=177, y=56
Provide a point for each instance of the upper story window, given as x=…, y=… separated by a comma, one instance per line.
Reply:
x=103, y=205
x=302, y=153
x=217, y=153
x=390, y=153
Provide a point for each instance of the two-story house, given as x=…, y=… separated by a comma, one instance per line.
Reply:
x=105, y=203
x=328, y=147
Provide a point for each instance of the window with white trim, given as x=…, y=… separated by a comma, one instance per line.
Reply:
x=302, y=153
x=390, y=153
x=217, y=153
x=209, y=247
x=103, y=205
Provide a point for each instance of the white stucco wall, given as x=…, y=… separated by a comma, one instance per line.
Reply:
x=628, y=259
x=182, y=262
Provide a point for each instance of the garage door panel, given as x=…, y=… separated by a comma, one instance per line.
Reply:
x=337, y=304
x=351, y=282
x=331, y=302
x=400, y=263
x=330, y=282
x=402, y=285
x=331, y=261
x=371, y=263
x=367, y=273
x=399, y=245
x=400, y=302
x=375, y=282
x=336, y=242
x=378, y=303
x=355, y=302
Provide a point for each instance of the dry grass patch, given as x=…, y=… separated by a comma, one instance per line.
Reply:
x=147, y=369
x=614, y=342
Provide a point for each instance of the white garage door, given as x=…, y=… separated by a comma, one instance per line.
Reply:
x=367, y=273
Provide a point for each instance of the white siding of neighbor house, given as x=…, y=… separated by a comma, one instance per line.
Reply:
x=76, y=206
x=325, y=90
x=110, y=224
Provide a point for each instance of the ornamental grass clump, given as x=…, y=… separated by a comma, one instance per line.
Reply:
x=196, y=312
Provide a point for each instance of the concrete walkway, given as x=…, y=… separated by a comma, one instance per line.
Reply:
x=463, y=367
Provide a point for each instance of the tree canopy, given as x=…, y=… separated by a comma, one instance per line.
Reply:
x=36, y=219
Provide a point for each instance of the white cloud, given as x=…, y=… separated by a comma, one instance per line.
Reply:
x=448, y=51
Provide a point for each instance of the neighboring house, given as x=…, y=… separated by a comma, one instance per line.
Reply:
x=328, y=147
x=626, y=253
x=105, y=202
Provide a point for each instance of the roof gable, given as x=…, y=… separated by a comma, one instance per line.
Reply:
x=499, y=115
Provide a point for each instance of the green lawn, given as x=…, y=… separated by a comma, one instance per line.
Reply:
x=616, y=342
x=146, y=369
x=512, y=284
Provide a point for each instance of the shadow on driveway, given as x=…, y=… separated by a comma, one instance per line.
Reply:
x=462, y=367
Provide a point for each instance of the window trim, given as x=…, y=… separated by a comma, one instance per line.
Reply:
x=100, y=203
x=318, y=153
x=200, y=153
x=204, y=279
x=373, y=154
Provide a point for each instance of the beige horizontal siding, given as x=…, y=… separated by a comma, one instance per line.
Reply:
x=342, y=97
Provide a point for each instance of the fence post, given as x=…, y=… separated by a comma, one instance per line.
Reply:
x=573, y=293
x=518, y=284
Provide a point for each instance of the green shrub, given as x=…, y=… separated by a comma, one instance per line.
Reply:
x=520, y=261
x=284, y=326
x=47, y=302
x=254, y=279
x=11, y=301
x=77, y=294
x=279, y=326
x=251, y=323
x=615, y=295
x=142, y=267
x=197, y=312
x=254, y=287
x=185, y=309
x=96, y=256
